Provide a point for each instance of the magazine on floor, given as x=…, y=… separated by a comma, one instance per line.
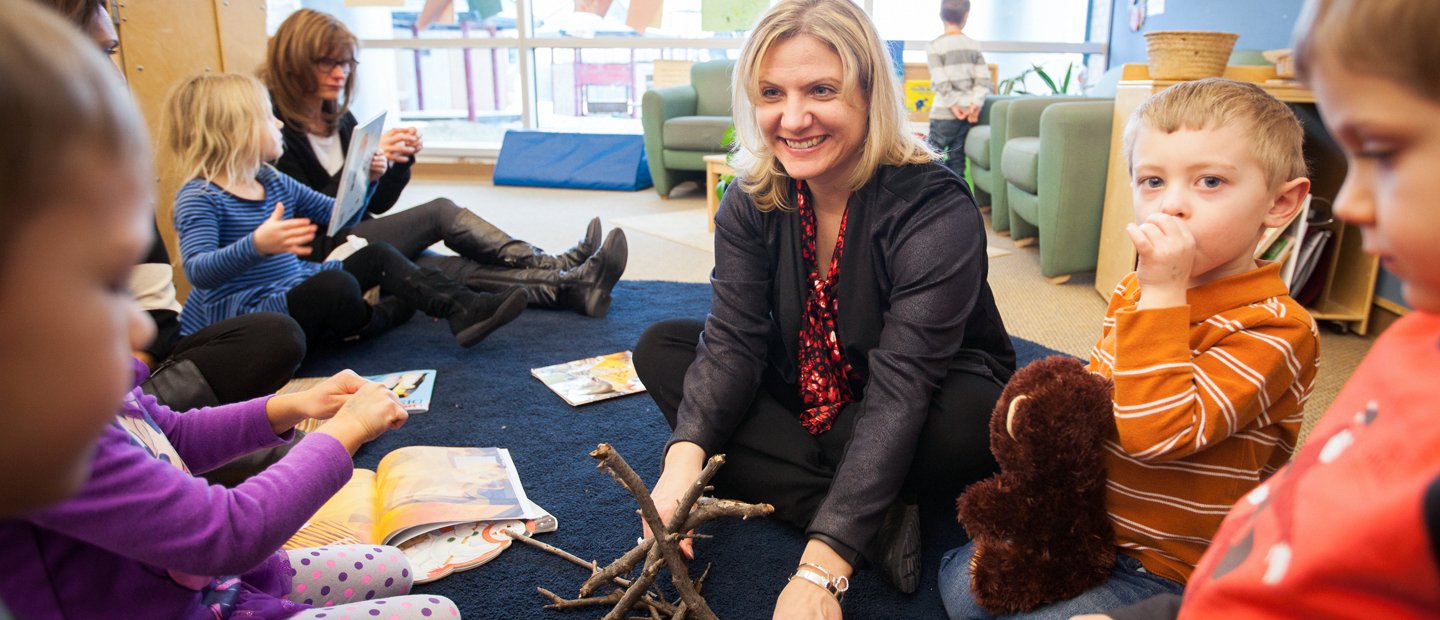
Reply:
x=446, y=508
x=591, y=379
x=412, y=387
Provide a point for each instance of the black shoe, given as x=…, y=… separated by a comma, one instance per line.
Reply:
x=483, y=313
x=587, y=247
x=896, y=553
x=586, y=289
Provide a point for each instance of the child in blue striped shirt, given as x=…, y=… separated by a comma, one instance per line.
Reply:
x=243, y=227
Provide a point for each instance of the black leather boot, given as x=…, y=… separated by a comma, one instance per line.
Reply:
x=584, y=289
x=474, y=238
x=472, y=316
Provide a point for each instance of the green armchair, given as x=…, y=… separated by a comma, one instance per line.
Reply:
x=1054, y=163
x=683, y=124
x=983, y=147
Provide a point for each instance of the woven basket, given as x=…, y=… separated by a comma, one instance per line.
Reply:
x=1188, y=54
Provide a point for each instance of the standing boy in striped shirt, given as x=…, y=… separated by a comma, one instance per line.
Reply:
x=1212, y=360
x=960, y=80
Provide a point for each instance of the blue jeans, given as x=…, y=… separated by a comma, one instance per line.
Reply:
x=947, y=135
x=1129, y=583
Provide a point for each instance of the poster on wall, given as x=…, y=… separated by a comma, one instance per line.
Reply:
x=730, y=15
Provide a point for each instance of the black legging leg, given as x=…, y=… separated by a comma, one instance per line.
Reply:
x=246, y=356
x=329, y=304
x=412, y=230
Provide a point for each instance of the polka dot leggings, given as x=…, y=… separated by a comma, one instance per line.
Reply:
x=360, y=582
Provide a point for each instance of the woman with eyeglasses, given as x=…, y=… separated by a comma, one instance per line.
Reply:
x=309, y=68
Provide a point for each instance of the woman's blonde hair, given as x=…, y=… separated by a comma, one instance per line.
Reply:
x=866, y=67
x=215, y=126
x=69, y=109
x=290, y=70
x=1392, y=39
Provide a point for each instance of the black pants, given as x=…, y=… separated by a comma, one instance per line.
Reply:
x=331, y=304
x=409, y=231
x=948, y=137
x=772, y=458
x=246, y=356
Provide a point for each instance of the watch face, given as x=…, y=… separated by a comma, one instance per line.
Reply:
x=1137, y=15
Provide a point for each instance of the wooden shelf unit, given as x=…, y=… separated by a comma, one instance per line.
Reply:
x=1349, y=274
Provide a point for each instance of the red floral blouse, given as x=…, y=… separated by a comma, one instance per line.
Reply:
x=825, y=376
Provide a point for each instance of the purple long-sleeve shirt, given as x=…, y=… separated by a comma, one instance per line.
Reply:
x=111, y=550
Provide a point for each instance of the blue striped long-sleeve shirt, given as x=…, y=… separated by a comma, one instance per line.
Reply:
x=228, y=273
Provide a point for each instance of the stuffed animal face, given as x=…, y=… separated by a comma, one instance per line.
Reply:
x=1055, y=411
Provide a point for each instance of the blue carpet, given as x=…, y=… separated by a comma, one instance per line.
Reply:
x=486, y=397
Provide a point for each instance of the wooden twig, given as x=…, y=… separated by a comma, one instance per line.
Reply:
x=622, y=566
x=564, y=603
x=669, y=546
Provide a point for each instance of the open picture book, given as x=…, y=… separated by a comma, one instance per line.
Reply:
x=591, y=379
x=446, y=508
x=412, y=387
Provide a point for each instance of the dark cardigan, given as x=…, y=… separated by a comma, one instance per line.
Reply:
x=913, y=304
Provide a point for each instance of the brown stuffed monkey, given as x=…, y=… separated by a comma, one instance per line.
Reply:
x=1040, y=527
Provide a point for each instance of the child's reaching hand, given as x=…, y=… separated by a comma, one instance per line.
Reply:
x=1167, y=252
x=278, y=235
x=367, y=414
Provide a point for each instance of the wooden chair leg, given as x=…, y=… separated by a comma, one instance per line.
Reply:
x=1020, y=243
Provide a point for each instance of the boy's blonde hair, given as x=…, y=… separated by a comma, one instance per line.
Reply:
x=290, y=70
x=1384, y=38
x=1276, y=134
x=215, y=126
x=865, y=64
x=69, y=110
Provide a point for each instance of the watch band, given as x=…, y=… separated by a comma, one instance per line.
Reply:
x=820, y=577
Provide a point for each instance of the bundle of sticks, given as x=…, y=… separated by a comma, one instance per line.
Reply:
x=659, y=552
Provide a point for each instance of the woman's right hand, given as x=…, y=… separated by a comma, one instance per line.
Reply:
x=277, y=235
x=683, y=464
x=370, y=412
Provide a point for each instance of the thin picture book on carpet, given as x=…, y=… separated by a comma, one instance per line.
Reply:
x=445, y=508
x=591, y=379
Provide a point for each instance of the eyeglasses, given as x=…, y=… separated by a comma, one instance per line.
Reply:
x=327, y=65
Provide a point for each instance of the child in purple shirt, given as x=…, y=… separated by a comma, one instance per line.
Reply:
x=141, y=537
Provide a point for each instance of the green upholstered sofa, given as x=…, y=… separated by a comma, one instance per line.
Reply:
x=683, y=124
x=1054, y=163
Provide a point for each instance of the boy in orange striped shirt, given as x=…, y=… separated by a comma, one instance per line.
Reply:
x=1212, y=360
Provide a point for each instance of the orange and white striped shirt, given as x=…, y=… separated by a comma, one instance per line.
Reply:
x=1208, y=402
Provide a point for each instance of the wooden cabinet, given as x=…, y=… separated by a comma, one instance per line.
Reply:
x=1349, y=273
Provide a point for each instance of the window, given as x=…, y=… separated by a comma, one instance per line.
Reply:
x=479, y=68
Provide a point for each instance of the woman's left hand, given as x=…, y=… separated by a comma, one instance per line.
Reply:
x=802, y=599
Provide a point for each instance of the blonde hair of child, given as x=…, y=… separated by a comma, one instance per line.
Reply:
x=1385, y=38
x=291, y=72
x=72, y=115
x=865, y=64
x=1211, y=103
x=215, y=126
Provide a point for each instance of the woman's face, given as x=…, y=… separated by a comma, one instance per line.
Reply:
x=331, y=73
x=814, y=126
